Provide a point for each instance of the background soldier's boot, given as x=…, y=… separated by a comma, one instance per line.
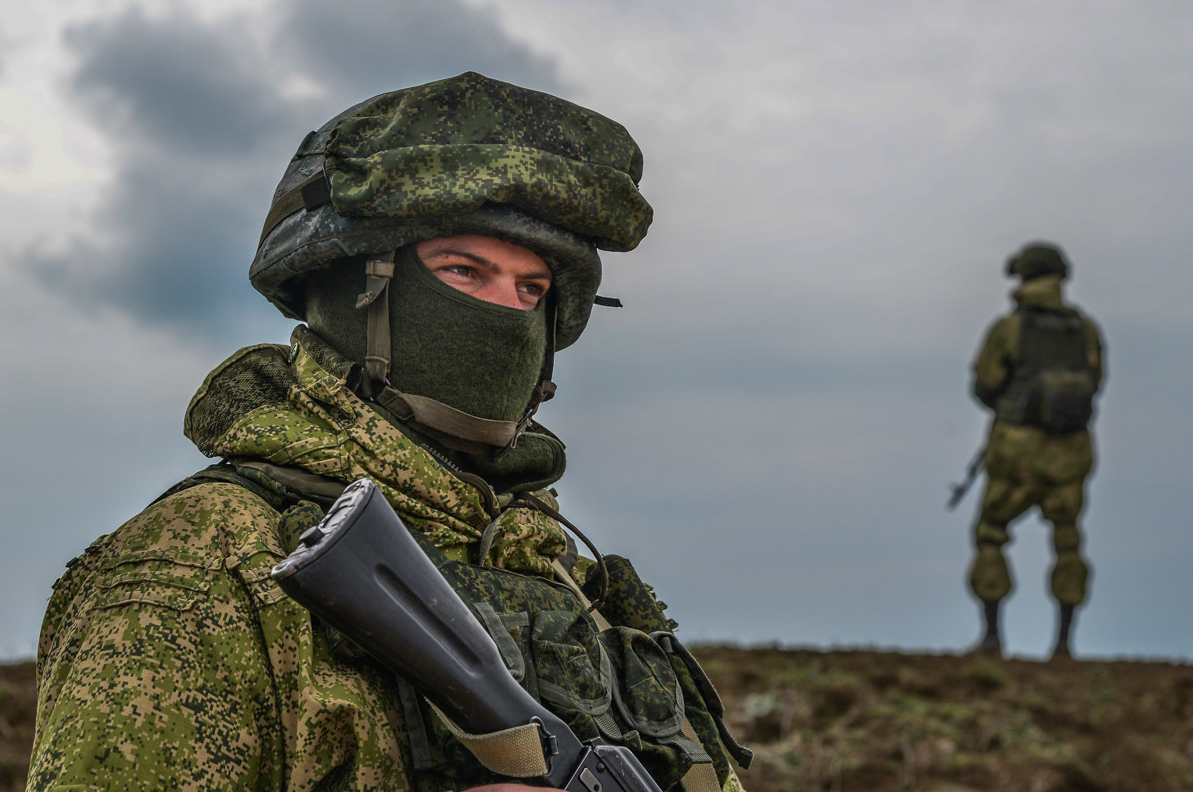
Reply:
x=1062, y=633
x=991, y=643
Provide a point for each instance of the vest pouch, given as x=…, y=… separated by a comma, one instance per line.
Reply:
x=631, y=603
x=619, y=685
x=648, y=699
x=647, y=694
x=573, y=669
x=1063, y=401
x=708, y=705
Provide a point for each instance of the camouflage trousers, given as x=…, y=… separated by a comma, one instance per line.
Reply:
x=1028, y=467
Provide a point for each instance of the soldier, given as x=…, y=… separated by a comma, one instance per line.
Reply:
x=440, y=243
x=1038, y=370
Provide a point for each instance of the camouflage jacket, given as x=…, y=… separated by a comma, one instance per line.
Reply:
x=169, y=659
x=995, y=362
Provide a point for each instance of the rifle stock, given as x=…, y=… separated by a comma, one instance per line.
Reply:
x=362, y=572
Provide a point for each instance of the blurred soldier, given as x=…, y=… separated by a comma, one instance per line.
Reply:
x=441, y=244
x=1038, y=370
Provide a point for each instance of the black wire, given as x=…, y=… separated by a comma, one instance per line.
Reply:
x=554, y=514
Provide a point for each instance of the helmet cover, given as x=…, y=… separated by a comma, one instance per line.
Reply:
x=465, y=155
x=1036, y=260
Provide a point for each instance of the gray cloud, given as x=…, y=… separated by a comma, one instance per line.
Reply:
x=200, y=131
x=173, y=84
x=176, y=257
x=372, y=46
x=198, y=135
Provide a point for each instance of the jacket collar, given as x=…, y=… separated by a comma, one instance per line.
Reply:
x=1042, y=292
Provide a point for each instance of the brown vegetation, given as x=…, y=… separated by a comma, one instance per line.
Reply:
x=878, y=721
x=18, y=702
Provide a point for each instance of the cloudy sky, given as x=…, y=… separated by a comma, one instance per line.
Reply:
x=769, y=426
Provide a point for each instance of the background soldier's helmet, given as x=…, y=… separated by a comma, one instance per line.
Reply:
x=458, y=156
x=1036, y=260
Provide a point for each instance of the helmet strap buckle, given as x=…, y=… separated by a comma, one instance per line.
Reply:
x=379, y=272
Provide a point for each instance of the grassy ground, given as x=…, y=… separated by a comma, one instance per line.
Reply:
x=878, y=721
x=884, y=721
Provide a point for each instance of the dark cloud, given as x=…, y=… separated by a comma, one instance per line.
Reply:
x=176, y=253
x=373, y=46
x=200, y=131
x=198, y=135
x=172, y=83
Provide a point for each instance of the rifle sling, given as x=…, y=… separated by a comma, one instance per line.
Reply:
x=516, y=752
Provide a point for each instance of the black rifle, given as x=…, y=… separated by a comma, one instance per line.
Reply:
x=362, y=572
x=971, y=473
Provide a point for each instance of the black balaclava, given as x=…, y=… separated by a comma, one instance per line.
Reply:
x=478, y=357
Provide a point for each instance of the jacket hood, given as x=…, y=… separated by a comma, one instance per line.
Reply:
x=295, y=407
x=1042, y=292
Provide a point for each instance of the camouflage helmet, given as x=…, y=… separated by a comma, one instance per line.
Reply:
x=1036, y=260
x=465, y=155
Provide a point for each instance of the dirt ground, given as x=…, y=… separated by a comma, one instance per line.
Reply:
x=18, y=702
x=884, y=721
x=879, y=721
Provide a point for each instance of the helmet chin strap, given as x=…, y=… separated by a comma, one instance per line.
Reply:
x=379, y=273
x=455, y=429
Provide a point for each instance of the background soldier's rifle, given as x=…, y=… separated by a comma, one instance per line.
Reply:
x=971, y=473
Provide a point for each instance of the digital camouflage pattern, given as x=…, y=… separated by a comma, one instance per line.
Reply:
x=1027, y=466
x=169, y=660
x=167, y=652
x=451, y=146
x=168, y=657
x=464, y=155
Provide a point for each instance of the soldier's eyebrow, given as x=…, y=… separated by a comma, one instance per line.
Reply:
x=464, y=254
x=480, y=260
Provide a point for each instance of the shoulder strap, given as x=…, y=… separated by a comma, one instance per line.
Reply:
x=222, y=472
x=280, y=487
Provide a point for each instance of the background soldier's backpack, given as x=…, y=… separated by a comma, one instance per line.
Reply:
x=1056, y=384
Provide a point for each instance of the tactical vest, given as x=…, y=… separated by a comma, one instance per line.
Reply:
x=1052, y=385
x=631, y=683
